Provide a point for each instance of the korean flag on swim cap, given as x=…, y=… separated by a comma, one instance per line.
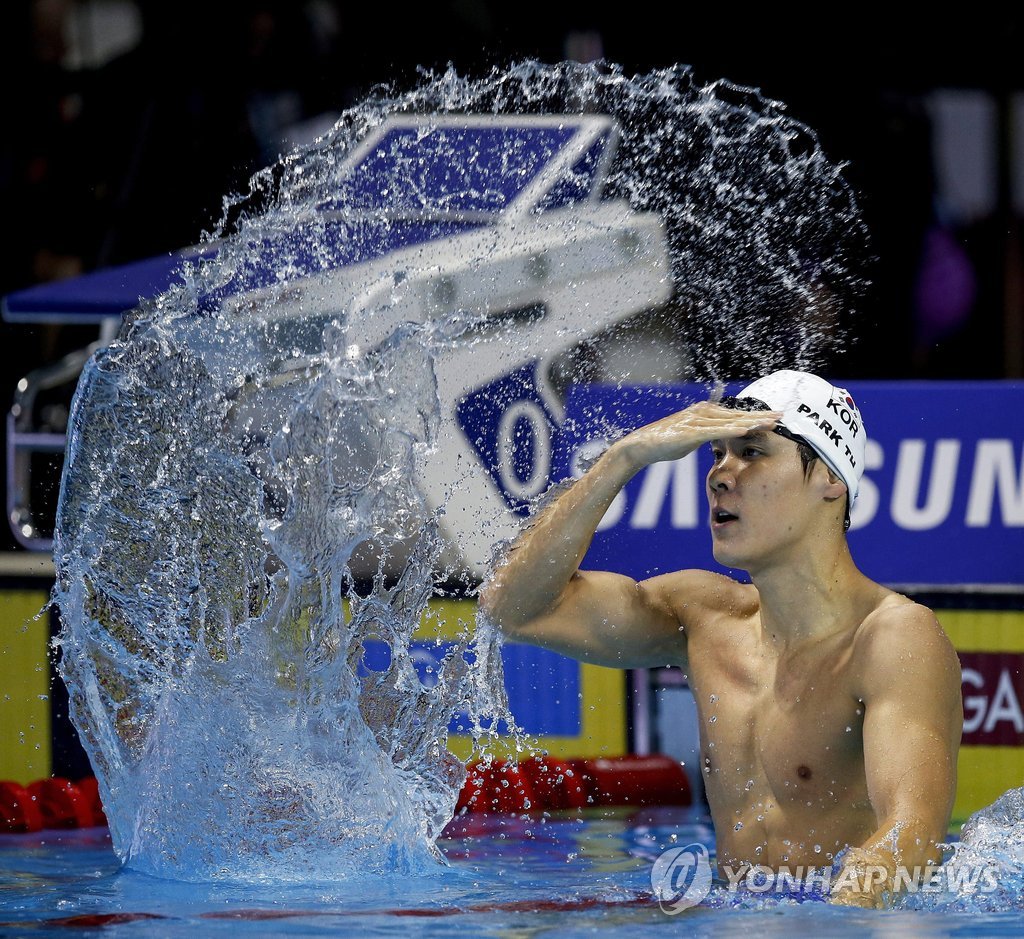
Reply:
x=823, y=414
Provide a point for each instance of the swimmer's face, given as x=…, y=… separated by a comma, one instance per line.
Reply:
x=762, y=502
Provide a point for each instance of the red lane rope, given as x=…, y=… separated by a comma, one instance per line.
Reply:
x=499, y=787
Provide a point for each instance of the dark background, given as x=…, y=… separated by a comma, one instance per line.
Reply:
x=124, y=157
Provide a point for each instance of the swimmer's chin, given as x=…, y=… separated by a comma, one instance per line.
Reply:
x=727, y=558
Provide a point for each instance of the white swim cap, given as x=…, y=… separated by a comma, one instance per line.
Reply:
x=822, y=414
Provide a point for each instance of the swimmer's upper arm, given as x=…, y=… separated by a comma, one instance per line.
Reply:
x=913, y=718
x=611, y=619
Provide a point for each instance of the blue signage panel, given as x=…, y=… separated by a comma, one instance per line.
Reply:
x=543, y=687
x=941, y=502
x=509, y=426
x=451, y=168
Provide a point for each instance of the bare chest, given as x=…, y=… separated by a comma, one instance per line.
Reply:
x=785, y=731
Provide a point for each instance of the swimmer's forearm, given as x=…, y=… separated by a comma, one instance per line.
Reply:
x=902, y=850
x=541, y=564
x=543, y=560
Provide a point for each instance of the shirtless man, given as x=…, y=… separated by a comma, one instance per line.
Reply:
x=829, y=707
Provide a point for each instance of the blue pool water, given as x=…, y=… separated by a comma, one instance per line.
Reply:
x=568, y=876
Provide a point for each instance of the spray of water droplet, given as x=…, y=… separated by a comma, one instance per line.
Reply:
x=240, y=514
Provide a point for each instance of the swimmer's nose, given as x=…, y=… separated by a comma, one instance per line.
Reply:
x=720, y=478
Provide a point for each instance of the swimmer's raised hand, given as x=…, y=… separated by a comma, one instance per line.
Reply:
x=538, y=593
x=679, y=434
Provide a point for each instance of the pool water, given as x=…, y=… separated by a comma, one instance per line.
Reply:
x=566, y=876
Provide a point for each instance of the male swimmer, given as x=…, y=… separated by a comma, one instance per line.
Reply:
x=829, y=707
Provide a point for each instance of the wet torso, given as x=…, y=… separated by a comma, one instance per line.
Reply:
x=781, y=734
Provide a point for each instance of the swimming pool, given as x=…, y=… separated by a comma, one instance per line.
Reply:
x=233, y=704
x=567, y=876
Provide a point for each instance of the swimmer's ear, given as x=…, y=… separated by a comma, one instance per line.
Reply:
x=832, y=487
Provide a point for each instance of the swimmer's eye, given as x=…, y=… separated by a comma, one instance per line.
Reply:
x=716, y=453
x=752, y=451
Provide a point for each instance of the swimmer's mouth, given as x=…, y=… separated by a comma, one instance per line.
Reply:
x=721, y=517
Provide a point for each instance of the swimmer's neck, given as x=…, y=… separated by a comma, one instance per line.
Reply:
x=810, y=596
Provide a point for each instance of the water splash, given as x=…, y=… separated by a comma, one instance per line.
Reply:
x=984, y=869
x=239, y=511
x=981, y=873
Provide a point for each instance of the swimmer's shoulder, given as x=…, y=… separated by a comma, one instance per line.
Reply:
x=897, y=628
x=699, y=597
x=886, y=611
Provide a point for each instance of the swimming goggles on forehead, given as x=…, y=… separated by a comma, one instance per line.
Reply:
x=756, y=404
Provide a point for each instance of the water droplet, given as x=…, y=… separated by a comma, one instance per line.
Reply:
x=323, y=452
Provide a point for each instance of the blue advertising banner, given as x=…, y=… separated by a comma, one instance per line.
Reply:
x=941, y=502
x=527, y=668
